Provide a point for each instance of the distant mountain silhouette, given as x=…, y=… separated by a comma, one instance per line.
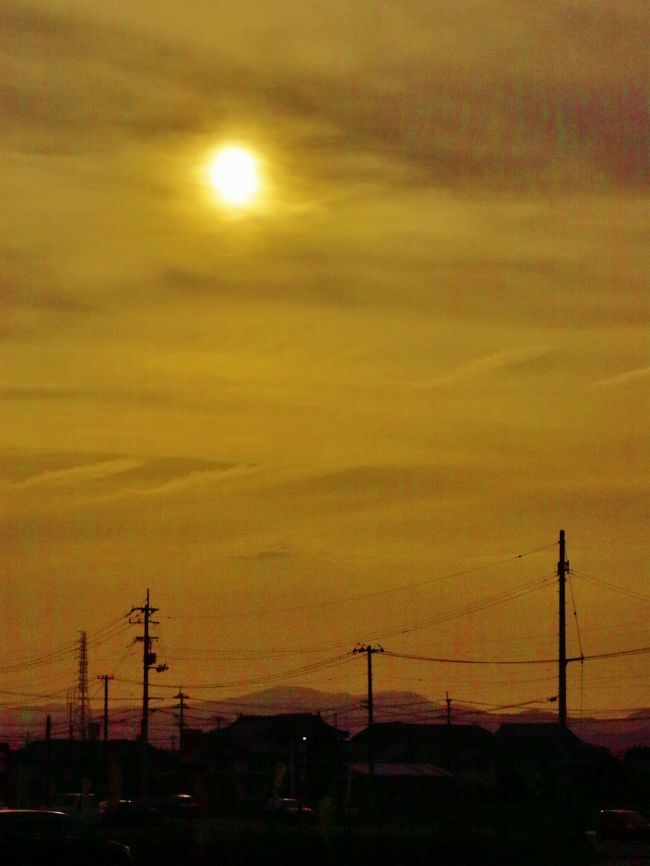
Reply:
x=344, y=710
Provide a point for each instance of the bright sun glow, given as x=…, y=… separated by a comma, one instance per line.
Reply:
x=233, y=174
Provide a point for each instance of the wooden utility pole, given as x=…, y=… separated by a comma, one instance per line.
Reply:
x=71, y=698
x=180, y=706
x=106, y=678
x=562, y=569
x=370, y=651
x=563, y=779
x=148, y=662
x=48, y=760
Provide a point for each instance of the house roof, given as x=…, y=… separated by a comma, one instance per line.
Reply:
x=435, y=744
x=527, y=738
x=547, y=731
x=438, y=734
x=59, y=750
x=360, y=768
x=290, y=726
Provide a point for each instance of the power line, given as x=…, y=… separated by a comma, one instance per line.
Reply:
x=68, y=650
x=288, y=674
x=365, y=595
x=606, y=585
x=616, y=654
x=451, y=661
x=466, y=610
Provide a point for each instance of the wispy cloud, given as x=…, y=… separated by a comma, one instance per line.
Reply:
x=57, y=478
x=625, y=378
x=73, y=394
x=531, y=358
x=567, y=117
x=112, y=476
x=194, y=481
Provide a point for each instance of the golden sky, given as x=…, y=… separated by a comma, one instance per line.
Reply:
x=421, y=349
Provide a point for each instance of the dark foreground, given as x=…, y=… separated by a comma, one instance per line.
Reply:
x=223, y=843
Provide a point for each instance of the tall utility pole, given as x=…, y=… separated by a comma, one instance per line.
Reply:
x=106, y=678
x=71, y=699
x=370, y=651
x=48, y=760
x=562, y=569
x=562, y=775
x=180, y=706
x=448, y=702
x=148, y=662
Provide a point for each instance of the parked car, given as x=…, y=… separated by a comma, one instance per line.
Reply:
x=127, y=813
x=174, y=806
x=44, y=837
x=622, y=825
x=290, y=810
x=77, y=803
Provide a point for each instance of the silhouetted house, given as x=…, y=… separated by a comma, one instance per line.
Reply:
x=260, y=758
x=42, y=771
x=422, y=773
x=636, y=766
x=402, y=792
x=466, y=751
x=5, y=757
x=529, y=762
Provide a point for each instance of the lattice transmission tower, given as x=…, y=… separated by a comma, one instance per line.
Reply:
x=83, y=703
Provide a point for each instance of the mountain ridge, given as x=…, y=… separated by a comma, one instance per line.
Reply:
x=344, y=710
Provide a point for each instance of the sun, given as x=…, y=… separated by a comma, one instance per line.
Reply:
x=234, y=175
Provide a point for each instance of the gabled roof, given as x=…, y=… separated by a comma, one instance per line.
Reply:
x=401, y=742
x=439, y=734
x=526, y=738
x=290, y=726
x=401, y=770
x=540, y=731
x=58, y=750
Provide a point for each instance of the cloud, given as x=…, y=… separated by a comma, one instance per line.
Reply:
x=406, y=174
x=16, y=466
x=268, y=555
x=102, y=475
x=625, y=378
x=373, y=487
x=140, y=397
x=530, y=104
x=90, y=472
x=530, y=358
x=188, y=482
x=33, y=294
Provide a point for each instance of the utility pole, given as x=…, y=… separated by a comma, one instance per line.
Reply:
x=71, y=698
x=107, y=760
x=106, y=678
x=48, y=760
x=370, y=651
x=562, y=569
x=448, y=702
x=148, y=662
x=180, y=706
x=563, y=780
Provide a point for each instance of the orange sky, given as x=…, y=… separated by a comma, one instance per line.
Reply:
x=422, y=350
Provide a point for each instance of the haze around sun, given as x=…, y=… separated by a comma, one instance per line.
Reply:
x=234, y=175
